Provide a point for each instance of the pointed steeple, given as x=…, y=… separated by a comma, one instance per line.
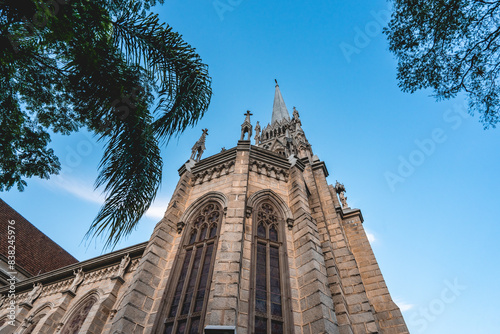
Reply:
x=279, y=108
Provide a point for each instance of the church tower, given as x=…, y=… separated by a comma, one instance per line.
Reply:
x=255, y=240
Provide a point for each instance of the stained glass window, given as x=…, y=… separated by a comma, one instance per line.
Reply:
x=75, y=322
x=268, y=272
x=186, y=308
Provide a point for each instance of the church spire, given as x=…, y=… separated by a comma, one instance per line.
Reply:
x=279, y=108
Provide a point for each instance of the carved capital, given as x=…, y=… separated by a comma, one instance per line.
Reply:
x=112, y=313
x=59, y=326
x=180, y=226
x=248, y=211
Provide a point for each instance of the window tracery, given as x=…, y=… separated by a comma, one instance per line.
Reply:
x=187, y=304
x=268, y=272
x=75, y=322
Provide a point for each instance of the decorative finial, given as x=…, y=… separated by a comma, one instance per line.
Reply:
x=257, y=133
x=276, y=82
x=199, y=146
x=246, y=127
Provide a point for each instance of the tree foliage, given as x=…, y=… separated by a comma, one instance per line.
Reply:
x=450, y=46
x=108, y=66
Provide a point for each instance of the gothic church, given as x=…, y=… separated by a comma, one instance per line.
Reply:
x=254, y=240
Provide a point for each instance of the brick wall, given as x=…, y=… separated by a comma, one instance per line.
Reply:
x=35, y=252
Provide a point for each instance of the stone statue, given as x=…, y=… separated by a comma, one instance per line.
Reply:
x=296, y=115
x=79, y=274
x=123, y=266
x=34, y=294
x=199, y=146
x=339, y=187
x=343, y=200
x=246, y=127
x=257, y=133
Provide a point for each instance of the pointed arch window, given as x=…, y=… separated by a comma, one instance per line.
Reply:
x=270, y=287
x=75, y=322
x=186, y=307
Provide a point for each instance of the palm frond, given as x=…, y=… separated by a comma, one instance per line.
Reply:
x=184, y=86
x=131, y=175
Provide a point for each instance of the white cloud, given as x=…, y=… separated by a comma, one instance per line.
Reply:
x=83, y=190
x=404, y=306
x=370, y=236
x=77, y=188
x=158, y=208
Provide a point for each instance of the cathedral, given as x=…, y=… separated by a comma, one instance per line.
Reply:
x=254, y=240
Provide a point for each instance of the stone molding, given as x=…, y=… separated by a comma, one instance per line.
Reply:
x=62, y=278
x=269, y=170
x=268, y=194
x=195, y=205
x=349, y=214
x=320, y=165
x=212, y=173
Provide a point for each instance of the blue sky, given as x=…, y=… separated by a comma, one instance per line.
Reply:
x=424, y=173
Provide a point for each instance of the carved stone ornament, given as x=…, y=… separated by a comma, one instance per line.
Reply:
x=246, y=127
x=112, y=313
x=59, y=326
x=257, y=133
x=180, y=226
x=248, y=211
x=339, y=187
x=34, y=294
x=79, y=275
x=123, y=266
x=27, y=321
x=289, y=223
x=199, y=147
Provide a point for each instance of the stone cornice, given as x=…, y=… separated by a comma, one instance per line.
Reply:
x=214, y=167
x=215, y=160
x=243, y=145
x=88, y=266
x=349, y=213
x=296, y=162
x=320, y=165
x=270, y=164
x=269, y=157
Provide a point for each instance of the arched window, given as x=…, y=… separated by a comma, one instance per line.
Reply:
x=269, y=307
x=187, y=302
x=33, y=324
x=75, y=322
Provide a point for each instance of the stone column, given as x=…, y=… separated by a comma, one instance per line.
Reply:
x=224, y=300
x=138, y=311
x=318, y=315
x=387, y=313
x=354, y=312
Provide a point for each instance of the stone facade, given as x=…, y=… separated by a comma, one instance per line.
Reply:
x=286, y=255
